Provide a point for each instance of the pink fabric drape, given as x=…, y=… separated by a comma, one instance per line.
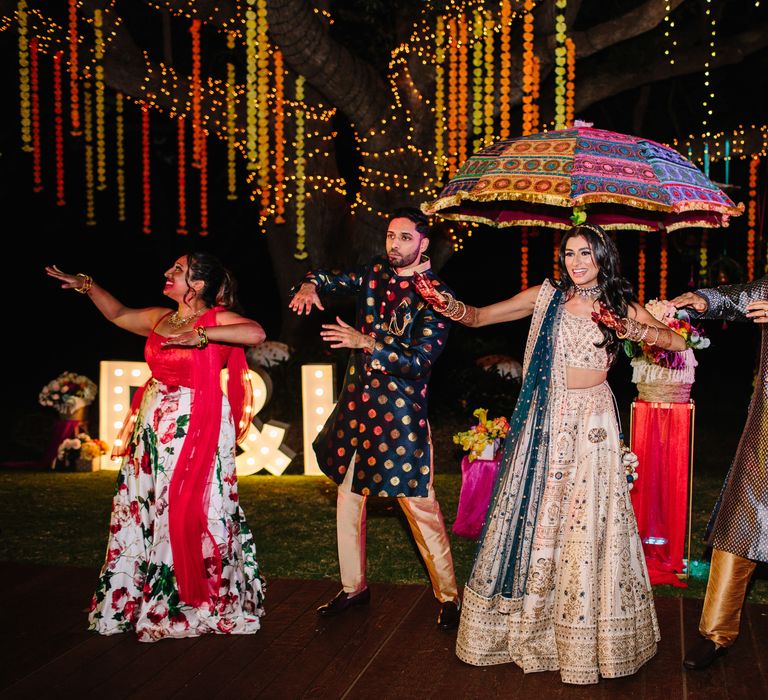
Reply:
x=63, y=428
x=196, y=558
x=477, y=480
x=661, y=440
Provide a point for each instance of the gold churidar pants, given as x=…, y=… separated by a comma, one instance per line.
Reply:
x=729, y=576
x=428, y=528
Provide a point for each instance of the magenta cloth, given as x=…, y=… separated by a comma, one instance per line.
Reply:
x=63, y=429
x=477, y=481
x=661, y=440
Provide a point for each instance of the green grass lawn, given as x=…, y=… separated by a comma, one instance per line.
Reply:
x=61, y=519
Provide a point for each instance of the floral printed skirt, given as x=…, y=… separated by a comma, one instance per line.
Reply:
x=587, y=608
x=137, y=586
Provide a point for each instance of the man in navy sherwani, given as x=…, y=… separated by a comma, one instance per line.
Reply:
x=378, y=442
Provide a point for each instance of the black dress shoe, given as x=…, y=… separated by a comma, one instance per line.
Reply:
x=704, y=652
x=448, y=618
x=343, y=602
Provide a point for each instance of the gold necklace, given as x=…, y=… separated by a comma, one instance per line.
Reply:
x=177, y=321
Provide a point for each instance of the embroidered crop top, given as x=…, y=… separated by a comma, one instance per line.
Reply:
x=578, y=334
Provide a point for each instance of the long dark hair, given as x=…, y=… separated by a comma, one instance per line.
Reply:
x=616, y=291
x=219, y=287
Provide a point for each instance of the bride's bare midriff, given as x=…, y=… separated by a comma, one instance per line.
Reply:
x=579, y=378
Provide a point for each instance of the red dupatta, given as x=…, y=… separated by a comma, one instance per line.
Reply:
x=196, y=557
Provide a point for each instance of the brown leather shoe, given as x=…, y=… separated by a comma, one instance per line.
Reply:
x=343, y=602
x=448, y=618
x=702, y=654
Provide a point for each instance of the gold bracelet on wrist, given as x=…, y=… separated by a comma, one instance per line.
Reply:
x=86, y=285
x=202, y=337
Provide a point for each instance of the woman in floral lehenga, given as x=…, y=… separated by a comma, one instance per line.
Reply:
x=181, y=560
x=559, y=579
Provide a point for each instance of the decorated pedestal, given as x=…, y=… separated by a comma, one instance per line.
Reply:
x=662, y=439
x=477, y=481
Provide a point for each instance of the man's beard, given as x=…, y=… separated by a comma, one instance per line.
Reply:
x=401, y=261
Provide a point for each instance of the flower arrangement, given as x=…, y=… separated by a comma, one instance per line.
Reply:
x=480, y=436
x=68, y=392
x=82, y=446
x=680, y=322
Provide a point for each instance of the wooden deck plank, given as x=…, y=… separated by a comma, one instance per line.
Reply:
x=343, y=646
x=390, y=649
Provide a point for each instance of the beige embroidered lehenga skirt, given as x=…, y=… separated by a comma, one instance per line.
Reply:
x=586, y=606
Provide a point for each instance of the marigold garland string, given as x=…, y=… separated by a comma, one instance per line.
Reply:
x=74, y=86
x=528, y=68
x=120, y=155
x=203, y=182
x=453, y=96
x=703, y=257
x=231, y=123
x=754, y=165
x=196, y=88
x=181, y=176
x=478, y=49
x=145, y=171
x=663, y=266
x=641, y=264
x=560, y=67
x=524, y=242
x=556, y=254
x=300, y=253
x=58, y=127
x=98, y=86
x=262, y=90
x=535, y=110
x=25, y=100
x=490, y=82
x=439, y=97
x=90, y=194
x=463, y=120
x=279, y=138
x=251, y=67
x=570, y=85
x=504, y=69
x=34, y=83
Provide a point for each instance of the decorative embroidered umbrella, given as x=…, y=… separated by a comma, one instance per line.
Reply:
x=551, y=179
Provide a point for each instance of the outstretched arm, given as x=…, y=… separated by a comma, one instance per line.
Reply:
x=231, y=329
x=640, y=326
x=512, y=309
x=139, y=321
x=732, y=302
x=306, y=295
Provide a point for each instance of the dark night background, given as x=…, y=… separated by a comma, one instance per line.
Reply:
x=49, y=331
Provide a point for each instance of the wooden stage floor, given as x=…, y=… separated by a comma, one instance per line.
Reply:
x=391, y=649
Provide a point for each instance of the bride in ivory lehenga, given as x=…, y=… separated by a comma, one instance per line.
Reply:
x=559, y=580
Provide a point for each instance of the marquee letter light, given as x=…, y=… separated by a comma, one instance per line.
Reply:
x=317, y=404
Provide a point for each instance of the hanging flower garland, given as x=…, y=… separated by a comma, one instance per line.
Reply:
x=754, y=165
x=535, y=113
x=490, y=83
x=25, y=100
x=663, y=267
x=251, y=68
x=505, y=87
x=58, y=127
x=145, y=171
x=98, y=87
x=34, y=82
x=231, y=123
x=570, y=85
x=524, y=243
x=120, y=155
x=181, y=176
x=301, y=252
x=703, y=257
x=641, y=264
x=263, y=104
x=90, y=180
x=560, y=67
x=203, y=182
x=453, y=97
x=528, y=68
x=478, y=50
x=74, y=87
x=196, y=88
x=279, y=138
x=439, y=97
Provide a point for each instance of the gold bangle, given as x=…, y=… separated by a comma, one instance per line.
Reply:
x=85, y=287
x=202, y=335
